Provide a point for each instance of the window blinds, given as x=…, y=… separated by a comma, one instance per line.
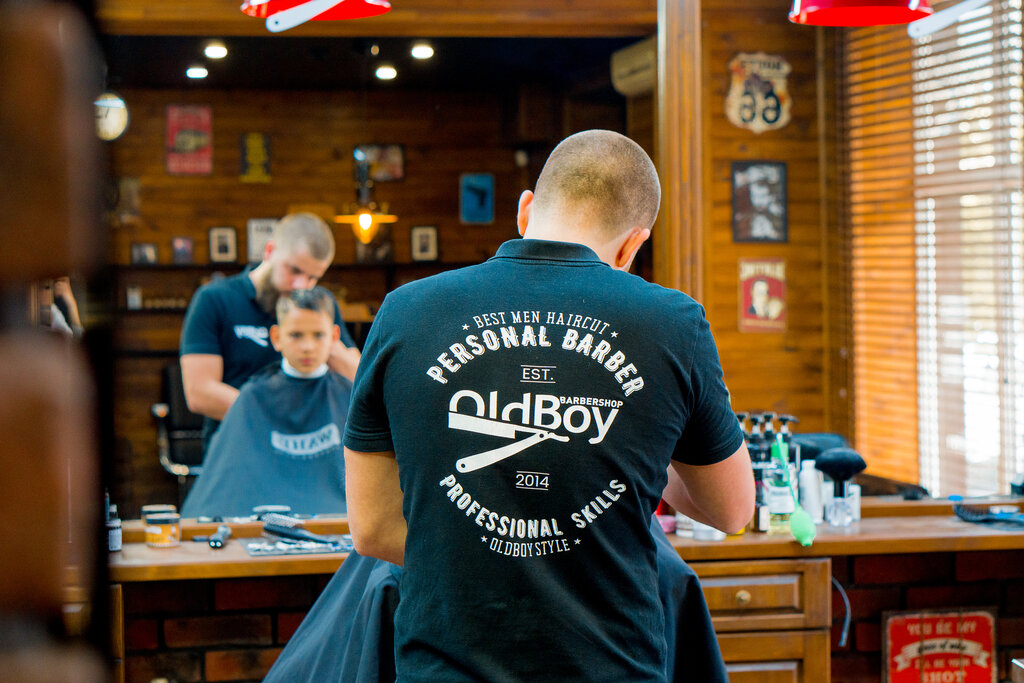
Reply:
x=936, y=228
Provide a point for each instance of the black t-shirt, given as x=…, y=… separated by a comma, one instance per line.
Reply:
x=533, y=403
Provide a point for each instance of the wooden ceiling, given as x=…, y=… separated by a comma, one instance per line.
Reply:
x=412, y=18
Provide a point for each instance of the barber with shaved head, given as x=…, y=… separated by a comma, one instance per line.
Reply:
x=226, y=335
x=514, y=425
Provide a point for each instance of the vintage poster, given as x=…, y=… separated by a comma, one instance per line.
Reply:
x=189, y=142
x=758, y=97
x=762, y=295
x=927, y=646
x=254, y=158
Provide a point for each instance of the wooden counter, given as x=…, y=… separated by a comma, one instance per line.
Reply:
x=871, y=536
x=201, y=614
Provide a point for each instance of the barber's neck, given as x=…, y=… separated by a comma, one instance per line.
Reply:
x=258, y=275
x=540, y=231
x=580, y=228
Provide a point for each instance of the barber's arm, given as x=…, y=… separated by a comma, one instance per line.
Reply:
x=344, y=359
x=721, y=495
x=205, y=393
x=374, y=498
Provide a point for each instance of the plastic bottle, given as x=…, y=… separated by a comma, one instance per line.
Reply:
x=810, y=491
x=758, y=448
x=780, y=499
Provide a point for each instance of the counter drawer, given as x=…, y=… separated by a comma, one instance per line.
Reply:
x=767, y=594
x=780, y=657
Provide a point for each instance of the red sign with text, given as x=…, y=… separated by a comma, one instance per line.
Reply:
x=940, y=647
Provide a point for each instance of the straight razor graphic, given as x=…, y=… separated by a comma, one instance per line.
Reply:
x=481, y=425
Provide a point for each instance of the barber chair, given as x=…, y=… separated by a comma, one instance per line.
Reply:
x=179, y=431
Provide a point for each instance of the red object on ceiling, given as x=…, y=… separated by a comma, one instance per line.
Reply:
x=858, y=12
x=347, y=9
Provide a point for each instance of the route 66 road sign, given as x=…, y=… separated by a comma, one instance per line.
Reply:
x=758, y=98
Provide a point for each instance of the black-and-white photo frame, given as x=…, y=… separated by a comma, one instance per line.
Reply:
x=424, y=243
x=759, y=202
x=223, y=245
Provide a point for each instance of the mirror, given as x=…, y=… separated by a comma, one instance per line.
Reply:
x=177, y=219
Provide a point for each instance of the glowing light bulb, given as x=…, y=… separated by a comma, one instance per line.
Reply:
x=196, y=71
x=422, y=50
x=386, y=72
x=365, y=220
x=215, y=50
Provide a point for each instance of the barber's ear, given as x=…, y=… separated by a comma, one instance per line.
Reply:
x=268, y=249
x=335, y=333
x=275, y=337
x=627, y=250
x=523, y=215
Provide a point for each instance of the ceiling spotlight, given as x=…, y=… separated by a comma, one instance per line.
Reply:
x=422, y=50
x=197, y=71
x=215, y=50
x=386, y=72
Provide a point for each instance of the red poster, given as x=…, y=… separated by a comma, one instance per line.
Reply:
x=189, y=142
x=762, y=295
x=940, y=647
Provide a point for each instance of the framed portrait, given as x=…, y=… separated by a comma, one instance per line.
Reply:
x=223, y=245
x=759, y=201
x=181, y=250
x=387, y=162
x=143, y=253
x=258, y=233
x=424, y=243
x=476, y=198
x=762, y=295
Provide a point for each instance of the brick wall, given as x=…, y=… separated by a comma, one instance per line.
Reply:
x=212, y=630
x=233, y=629
x=879, y=583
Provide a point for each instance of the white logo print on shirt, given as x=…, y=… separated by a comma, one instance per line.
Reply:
x=258, y=335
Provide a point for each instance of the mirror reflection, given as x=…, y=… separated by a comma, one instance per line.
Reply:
x=205, y=169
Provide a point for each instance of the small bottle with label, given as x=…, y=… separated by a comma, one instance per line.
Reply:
x=113, y=529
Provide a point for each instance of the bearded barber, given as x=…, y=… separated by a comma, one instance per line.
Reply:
x=226, y=334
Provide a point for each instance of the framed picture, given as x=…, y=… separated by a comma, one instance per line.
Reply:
x=258, y=232
x=424, y=243
x=762, y=295
x=759, y=202
x=476, y=198
x=143, y=253
x=387, y=162
x=223, y=245
x=181, y=250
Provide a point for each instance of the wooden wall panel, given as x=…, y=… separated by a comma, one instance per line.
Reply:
x=784, y=372
x=312, y=135
x=416, y=18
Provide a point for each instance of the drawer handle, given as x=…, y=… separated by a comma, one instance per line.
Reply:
x=743, y=597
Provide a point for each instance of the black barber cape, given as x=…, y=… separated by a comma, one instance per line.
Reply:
x=279, y=444
x=348, y=635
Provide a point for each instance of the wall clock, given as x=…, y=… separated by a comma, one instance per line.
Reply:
x=111, y=116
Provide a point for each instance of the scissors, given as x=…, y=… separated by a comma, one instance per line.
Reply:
x=480, y=425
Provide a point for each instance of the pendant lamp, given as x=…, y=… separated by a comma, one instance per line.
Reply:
x=858, y=12
x=329, y=10
x=365, y=215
